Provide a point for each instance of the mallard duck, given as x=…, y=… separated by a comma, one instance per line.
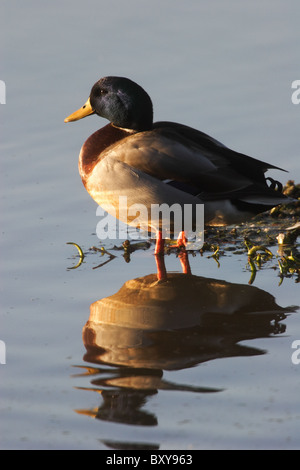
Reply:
x=165, y=163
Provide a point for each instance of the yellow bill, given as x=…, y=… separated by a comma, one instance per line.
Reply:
x=82, y=112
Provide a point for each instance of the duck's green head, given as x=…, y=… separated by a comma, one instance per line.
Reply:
x=120, y=100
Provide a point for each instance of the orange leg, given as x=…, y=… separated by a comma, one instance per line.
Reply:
x=160, y=244
x=161, y=268
x=184, y=261
x=181, y=240
x=159, y=255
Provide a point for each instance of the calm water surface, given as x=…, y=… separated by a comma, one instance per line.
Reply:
x=159, y=371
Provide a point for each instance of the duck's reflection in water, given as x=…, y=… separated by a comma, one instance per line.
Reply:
x=148, y=327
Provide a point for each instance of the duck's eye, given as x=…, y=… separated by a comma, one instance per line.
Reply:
x=103, y=92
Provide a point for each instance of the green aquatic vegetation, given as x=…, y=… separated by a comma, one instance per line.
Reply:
x=129, y=248
x=211, y=247
x=254, y=252
x=103, y=252
x=279, y=227
x=257, y=256
x=81, y=255
x=289, y=265
x=216, y=254
x=78, y=248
